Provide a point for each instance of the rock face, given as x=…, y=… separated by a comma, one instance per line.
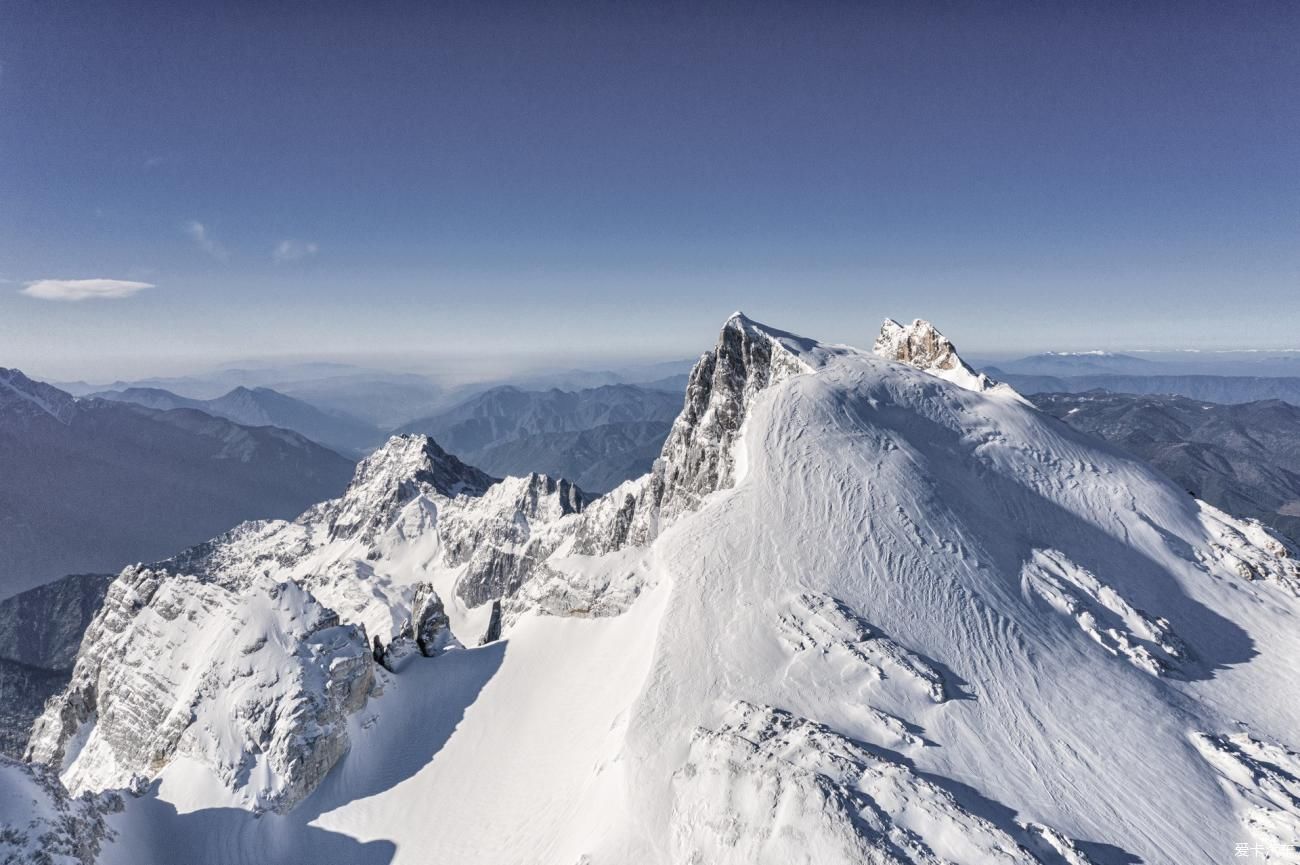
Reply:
x=407, y=466
x=252, y=679
x=248, y=652
x=879, y=618
x=921, y=345
x=506, y=536
x=40, y=824
x=429, y=625
x=40, y=631
x=492, y=632
x=697, y=457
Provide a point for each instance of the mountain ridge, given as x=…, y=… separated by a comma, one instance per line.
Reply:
x=263, y=406
x=846, y=592
x=91, y=485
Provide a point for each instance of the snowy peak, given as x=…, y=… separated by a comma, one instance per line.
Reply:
x=920, y=344
x=697, y=458
x=19, y=391
x=747, y=359
x=405, y=467
x=740, y=330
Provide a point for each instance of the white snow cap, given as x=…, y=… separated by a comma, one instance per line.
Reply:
x=921, y=345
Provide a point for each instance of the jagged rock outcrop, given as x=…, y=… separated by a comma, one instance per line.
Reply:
x=255, y=681
x=697, y=457
x=494, y=533
x=407, y=466
x=248, y=652
x=921, y=345
x=492, y=632
x=40, y=824
x=505, y=535
x=428, y=626
x=768, y=786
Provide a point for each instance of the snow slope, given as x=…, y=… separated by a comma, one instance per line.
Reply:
x=856, y=613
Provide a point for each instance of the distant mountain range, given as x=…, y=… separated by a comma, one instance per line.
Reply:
x=1210, y=388
x=1242, y=458
x=596, y=437
x=40, y=631
x=384, y=399
x=1079, y=363
x=93, y=484
x=379, y=398
x=262, y=406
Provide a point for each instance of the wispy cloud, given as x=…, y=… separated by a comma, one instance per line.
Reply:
x=209, y=244
x=83, y=289
x=293, y=250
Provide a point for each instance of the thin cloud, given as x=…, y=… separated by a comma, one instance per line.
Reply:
x=209, y=244
x=293, y=250
x=83, y=289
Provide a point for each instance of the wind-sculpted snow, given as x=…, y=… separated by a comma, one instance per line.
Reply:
x=856, y=613
x=770, y=788
x=1248, y=549
x=823, y=624
x=699, y=458
x=253, y=682
x=1262, y=780
x=1103, y=614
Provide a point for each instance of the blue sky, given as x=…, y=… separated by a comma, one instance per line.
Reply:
x=615, y=178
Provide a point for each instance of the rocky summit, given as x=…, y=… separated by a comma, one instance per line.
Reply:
x=852, y=585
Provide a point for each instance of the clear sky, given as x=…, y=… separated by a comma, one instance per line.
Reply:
x=385, y=177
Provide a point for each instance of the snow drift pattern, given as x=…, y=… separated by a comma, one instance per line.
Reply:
x=863, y=608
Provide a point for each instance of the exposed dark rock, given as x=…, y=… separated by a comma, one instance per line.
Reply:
x=493, y=631
x=428, y=625
x=502, y=547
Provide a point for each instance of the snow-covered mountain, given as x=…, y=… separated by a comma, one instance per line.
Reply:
x=263, y=406
x=862, y=609
x=91, y=485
